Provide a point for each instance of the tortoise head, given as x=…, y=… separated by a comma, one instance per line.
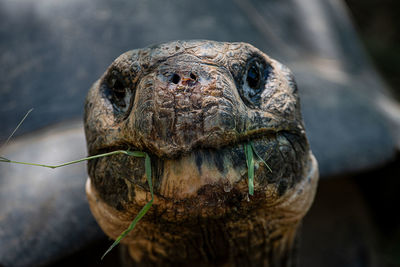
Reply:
x=192, y=106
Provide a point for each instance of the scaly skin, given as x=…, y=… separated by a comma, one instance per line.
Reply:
x=191, y=105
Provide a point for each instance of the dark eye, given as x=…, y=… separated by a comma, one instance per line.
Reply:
x=119, y=93
x=253, y=81
x=119, y=90
x=253, y=76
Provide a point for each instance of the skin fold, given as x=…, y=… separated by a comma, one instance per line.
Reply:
x=192, y=106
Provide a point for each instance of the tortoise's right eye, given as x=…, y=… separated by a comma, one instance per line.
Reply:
x=253, y=78
x=119, y=93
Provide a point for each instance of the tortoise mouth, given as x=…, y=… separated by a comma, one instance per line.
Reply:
x=207, y=175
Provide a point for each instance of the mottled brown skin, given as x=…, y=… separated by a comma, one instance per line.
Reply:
x=191, y=105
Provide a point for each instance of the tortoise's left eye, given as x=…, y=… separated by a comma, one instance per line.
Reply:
x=253, y=76
x=118, y=92
x=253, y=81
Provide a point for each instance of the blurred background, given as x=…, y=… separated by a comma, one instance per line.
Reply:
x=345, y=56
x=378, y=26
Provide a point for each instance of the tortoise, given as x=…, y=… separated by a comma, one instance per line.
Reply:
x=192, y=106
x=51, y=59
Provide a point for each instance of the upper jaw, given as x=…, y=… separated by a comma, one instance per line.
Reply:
x=175, y=145
x=217, y=139
x=212, y=176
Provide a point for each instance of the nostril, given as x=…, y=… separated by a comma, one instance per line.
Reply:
x=175, y=78
x=193, y=76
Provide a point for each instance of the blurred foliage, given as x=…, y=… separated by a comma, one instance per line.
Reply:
x=378, y=23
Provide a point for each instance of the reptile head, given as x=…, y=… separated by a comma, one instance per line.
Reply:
x=192, y=106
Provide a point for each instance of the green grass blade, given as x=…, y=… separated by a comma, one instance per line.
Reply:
x=250, y=166
x=134, y=153
x=251, y=170
x=3, y=159
x=142, y=212
x=255, y=152
x=16, y=128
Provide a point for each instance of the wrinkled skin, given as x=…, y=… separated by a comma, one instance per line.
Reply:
x=191, y=105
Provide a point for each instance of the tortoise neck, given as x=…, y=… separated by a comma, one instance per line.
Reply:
x=216, y=243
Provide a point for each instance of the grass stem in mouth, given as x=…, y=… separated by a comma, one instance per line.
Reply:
x=139, y=154
x=249, y=151
x=130, y=153
x=258, y=156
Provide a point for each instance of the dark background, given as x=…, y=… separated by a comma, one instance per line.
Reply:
x=378, y=23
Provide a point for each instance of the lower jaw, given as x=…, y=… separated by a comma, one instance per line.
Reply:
x=215, y=243
x=200, y=171
x=202, y=241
